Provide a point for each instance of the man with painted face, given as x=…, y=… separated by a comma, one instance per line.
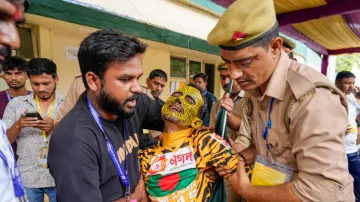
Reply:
x=174, y=170
x=12, y=12
x=298, y=117
x=93, y=153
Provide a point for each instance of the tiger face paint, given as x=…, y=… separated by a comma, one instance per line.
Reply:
x=183, y=106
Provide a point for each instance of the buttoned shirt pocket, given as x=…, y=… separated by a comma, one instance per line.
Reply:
x=279, y=141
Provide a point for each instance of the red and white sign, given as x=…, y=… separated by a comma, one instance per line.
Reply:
x=172, y=162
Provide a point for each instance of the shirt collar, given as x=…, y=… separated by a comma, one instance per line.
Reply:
x=30, y=98
x=241, y=94
x=277, y=84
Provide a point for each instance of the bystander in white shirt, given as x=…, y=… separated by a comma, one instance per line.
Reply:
x=351, y=135
x=7, y=193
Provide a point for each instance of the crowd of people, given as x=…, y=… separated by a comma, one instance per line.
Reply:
x=291, y=134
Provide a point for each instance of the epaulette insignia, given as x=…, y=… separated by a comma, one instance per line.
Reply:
x=306, y=94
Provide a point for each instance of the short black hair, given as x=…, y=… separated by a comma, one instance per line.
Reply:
x=38, y=66
x=158, y=73
x=14, y=63
x=105, y=46
x=27, y=5
x=265, y=42
x=201, y=75
x=344, y=74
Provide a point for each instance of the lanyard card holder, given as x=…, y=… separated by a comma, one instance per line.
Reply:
x=44, y=150
x=269, y=173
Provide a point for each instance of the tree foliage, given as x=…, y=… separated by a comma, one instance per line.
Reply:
x=346, y=62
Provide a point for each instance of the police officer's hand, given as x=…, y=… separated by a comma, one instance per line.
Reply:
x=212, y=129
x=212, y=174
x=238, y=180
x=236, y=147
x=227, y=103
x=46, y=125
x=26, y=122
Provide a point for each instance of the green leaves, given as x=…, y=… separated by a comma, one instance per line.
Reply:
x=346, y=62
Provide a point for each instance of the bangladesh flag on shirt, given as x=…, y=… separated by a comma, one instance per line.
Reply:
x=163, y=185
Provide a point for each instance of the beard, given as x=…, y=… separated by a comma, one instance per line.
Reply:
x=155, y=93
x=110, y=105
x=46, y=96
x=17, y=86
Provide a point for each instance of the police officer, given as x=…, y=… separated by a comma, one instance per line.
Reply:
x=239, y=137
x=297, y=116
x=288, y=47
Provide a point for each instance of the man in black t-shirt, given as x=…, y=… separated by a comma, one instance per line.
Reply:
x=79, y=158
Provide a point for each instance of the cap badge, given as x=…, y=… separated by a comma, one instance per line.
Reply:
x=237, y=36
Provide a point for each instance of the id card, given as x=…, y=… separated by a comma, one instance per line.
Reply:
x=267, y=173
x=43, y=156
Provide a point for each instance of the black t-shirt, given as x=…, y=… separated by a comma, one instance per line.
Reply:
x=209, y=100
x=147, y=141
x=78, y=157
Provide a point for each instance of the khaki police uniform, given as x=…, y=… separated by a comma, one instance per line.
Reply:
x=76, y=89
x=288, y=43
x=308, y=120
x=315, y=144
x=243, y=135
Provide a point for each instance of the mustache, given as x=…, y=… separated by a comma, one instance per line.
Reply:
x=135, y=96
x=5, y=51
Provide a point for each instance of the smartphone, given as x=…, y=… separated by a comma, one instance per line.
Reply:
x=34, y=114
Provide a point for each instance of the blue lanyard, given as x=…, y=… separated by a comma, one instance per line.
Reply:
x=265, y=131
x=124, y=178
x=8, y=95
x=16, y=177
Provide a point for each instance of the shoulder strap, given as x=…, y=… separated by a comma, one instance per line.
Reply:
x=328, y=86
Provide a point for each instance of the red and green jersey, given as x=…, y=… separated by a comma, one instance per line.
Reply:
x=177, y=173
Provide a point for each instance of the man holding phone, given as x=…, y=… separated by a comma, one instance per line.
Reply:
x=30, y=121
x=12, y=13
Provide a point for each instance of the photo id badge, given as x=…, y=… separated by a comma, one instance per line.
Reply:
x=43, y=156
x=268, y=173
